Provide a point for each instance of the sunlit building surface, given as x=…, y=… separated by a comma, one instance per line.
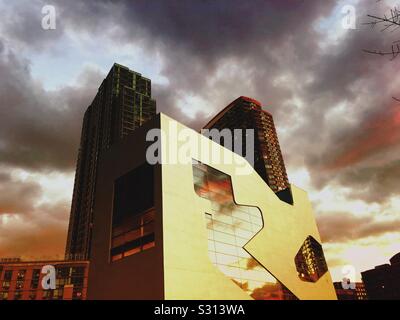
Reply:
x=230, y=227
x=195, y=229
x=246, y=113
x=22, y=280
x=383, y=282
x=123, y=103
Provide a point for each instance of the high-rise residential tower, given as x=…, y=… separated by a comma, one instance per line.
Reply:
x=123, y=103
x=246, y=113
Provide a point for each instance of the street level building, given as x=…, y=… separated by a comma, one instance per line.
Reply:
x=22, y=280
x=383, y=282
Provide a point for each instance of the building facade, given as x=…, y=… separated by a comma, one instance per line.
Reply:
x=123, y=103
x=383, y=282
x=20, y=280
x=247, y=113
x=197, y=229
x=357, y=293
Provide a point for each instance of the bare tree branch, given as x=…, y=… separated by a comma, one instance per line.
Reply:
x=389, y=23
x=394, y=53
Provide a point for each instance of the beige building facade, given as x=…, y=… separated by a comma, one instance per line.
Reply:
x=199, y=228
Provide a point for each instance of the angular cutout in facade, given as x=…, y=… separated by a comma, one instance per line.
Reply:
x=230, y=227
x=310, y=261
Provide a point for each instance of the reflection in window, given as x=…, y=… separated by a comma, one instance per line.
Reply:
x=310, y=261
x=230, y=227
x=133, y=213
x=133, y=236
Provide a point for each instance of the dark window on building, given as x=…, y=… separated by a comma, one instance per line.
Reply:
x=17, y=295
x=133, y=213
x=32, y=295
x=78, y=271
x=35, y=278
x=63, y=272
x=48, y=294
x=58, y=294
x=77, y=293
x=4, y=295
x=7, y=279
x=63, y=276
x=20, y=279
x=8, y=275
x=77, y=277
x=310, y=261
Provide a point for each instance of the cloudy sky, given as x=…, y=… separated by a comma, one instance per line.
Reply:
x=338, y=125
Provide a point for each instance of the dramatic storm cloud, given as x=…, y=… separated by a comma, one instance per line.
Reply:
x=338, y=125
x=340, y=227
x=40, y=129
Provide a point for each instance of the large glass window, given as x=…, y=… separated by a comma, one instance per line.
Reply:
x=230, y=227
x=310, y=261
x=133, y=213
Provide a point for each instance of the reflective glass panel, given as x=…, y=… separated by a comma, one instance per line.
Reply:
x=310, y=261
x=229, y=228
